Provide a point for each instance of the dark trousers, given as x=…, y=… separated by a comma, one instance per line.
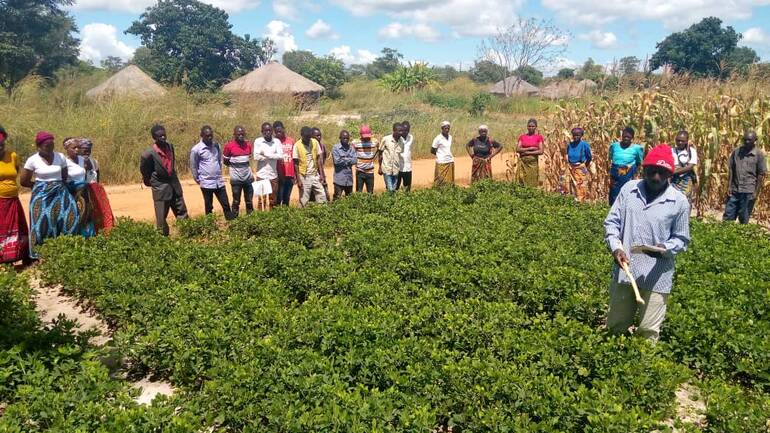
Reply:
x=285, y=185
x=339, y=190
x=177, y=206
x=248, y=196
x=221, y=195
x=739, y=205
x=405, y=178
x=364, y=179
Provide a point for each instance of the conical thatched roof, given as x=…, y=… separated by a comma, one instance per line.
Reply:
x=129, y=81
x=521, y=88
x=567, y=89
x=274, y=78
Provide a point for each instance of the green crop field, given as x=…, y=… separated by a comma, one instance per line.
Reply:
x=478, y=309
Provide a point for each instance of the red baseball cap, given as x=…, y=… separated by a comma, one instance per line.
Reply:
x=365, y=131
x=660, y=156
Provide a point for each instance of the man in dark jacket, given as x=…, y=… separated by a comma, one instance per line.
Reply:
x=158, y=172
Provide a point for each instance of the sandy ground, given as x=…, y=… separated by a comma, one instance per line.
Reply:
x=135, y=200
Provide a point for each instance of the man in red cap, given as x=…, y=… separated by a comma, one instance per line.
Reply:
x=648, y=224
x=366, y=151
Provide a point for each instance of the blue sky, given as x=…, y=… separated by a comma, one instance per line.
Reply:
x=438, y=31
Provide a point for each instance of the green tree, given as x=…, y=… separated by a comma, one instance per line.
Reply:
x=386, y=63
x=702, y=49
x=485, y=71
x=529, y=74
x=251, y=53
x=565, y=73
x=327, y=71
x=35, y=37
x=591, y=71
x=741, y=59
x=629, y=65
x=113, y=64
x=296, y=60
x=190, y=44
x=444, y=74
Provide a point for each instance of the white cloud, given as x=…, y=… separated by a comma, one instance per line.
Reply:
x=344, y=53
x=558, y=64
x=285, y=9
x=675, y=15
x=601, y=40
x=321, y=30
x=420, y=31
x=280, y=33
x=99, y=40
x=756, y=36
x=137, y=6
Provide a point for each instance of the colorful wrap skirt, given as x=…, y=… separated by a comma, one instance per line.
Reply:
x=529, y=172
x=579, y=179
x=79, y=191
x=619, y=176
x=14, y=234
x=684, y=183
x=444, y=174
x=52, y=213
x=102, y=215
x=481, y=169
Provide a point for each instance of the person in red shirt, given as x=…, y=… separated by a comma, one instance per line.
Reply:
x=285, y=167
x=237, y=156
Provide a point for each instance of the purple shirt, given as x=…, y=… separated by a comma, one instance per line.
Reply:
x=344, y=160
x=206, y=165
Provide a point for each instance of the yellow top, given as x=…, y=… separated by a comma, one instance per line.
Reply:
x=9, y=171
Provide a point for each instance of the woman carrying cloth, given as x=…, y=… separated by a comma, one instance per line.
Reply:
x=481, y=150
x=579, y=158
x=77, y=186
x=685, y=160
x=100, y=205
x=529, y=148
x=52, y=210
x=14, y=235
x=625, y=159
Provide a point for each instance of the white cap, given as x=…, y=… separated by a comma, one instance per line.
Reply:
x=484, y=127
x=445, y=123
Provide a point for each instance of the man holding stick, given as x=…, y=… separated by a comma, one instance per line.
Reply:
x=647, y=226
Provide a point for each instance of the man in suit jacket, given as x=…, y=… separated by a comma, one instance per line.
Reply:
x=158, y=172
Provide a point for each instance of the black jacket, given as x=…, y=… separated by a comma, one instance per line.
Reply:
x=164, y=184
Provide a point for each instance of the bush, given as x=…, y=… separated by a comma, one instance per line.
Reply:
x=480, y=103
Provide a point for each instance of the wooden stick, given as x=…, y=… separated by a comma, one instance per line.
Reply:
x=639, y=299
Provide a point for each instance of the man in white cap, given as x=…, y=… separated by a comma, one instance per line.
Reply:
x=481, y=150
x=445, y=162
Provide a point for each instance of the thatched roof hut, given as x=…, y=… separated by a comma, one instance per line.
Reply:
x=129, y=81
x=567, y=89
x=520, y=88
x=275, y=78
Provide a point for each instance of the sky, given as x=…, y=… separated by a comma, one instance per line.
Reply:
x=440, y=32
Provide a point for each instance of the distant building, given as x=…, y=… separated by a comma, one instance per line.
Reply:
x=129, y=81
x=514, y=86
x=275, y=78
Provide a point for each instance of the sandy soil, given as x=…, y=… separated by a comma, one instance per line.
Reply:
x=135, y=200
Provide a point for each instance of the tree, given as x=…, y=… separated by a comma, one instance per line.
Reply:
x=35, y=37
x=296, y=60
x=386, y=63
x=252, y=53
x=327, y=71
x=486, y=71
x=527, y=42
x=446, y=73
x=591, y=71
x=530, y=75
x=565, y=73
x=629, y=65
x=190, y=44
x=113, y=64
x=702, y=49
x=741, y=59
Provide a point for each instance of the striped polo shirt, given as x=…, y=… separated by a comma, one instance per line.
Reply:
x=239, y=157
x=365, y=153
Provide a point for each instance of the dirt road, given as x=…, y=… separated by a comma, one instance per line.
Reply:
x=135, y=200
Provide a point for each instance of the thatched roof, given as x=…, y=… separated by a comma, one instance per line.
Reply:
x=129, y=81
x=274, y=78
x=520, y=88
x=567, y=89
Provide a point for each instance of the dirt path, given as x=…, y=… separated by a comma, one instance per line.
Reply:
x=135, y=200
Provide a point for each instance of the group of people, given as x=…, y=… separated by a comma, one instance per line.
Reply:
x=66, y=197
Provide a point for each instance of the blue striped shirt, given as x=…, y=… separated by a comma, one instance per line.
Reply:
x=632, y=221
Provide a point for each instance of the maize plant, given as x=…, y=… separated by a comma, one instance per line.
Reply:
x=715, y=120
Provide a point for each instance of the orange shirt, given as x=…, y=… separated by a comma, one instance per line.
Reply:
x=9, y=172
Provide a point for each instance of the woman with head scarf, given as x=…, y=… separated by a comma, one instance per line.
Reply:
x=579, y=158
x=100, y=205
x=685, y=158
x=77, y=186
x=625, y=159
x=445, y=162
x=14, y=235
x=529, y=148
x=52, y=210
x=481, y=150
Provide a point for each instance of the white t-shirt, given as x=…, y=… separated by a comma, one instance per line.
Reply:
x=75, y=170
x=443, y=148
x=405, y=158
x=44, y=172
x=681, y=157
x=267, y=154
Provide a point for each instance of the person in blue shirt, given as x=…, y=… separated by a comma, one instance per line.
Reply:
x=625, y=159
x=579, y=158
